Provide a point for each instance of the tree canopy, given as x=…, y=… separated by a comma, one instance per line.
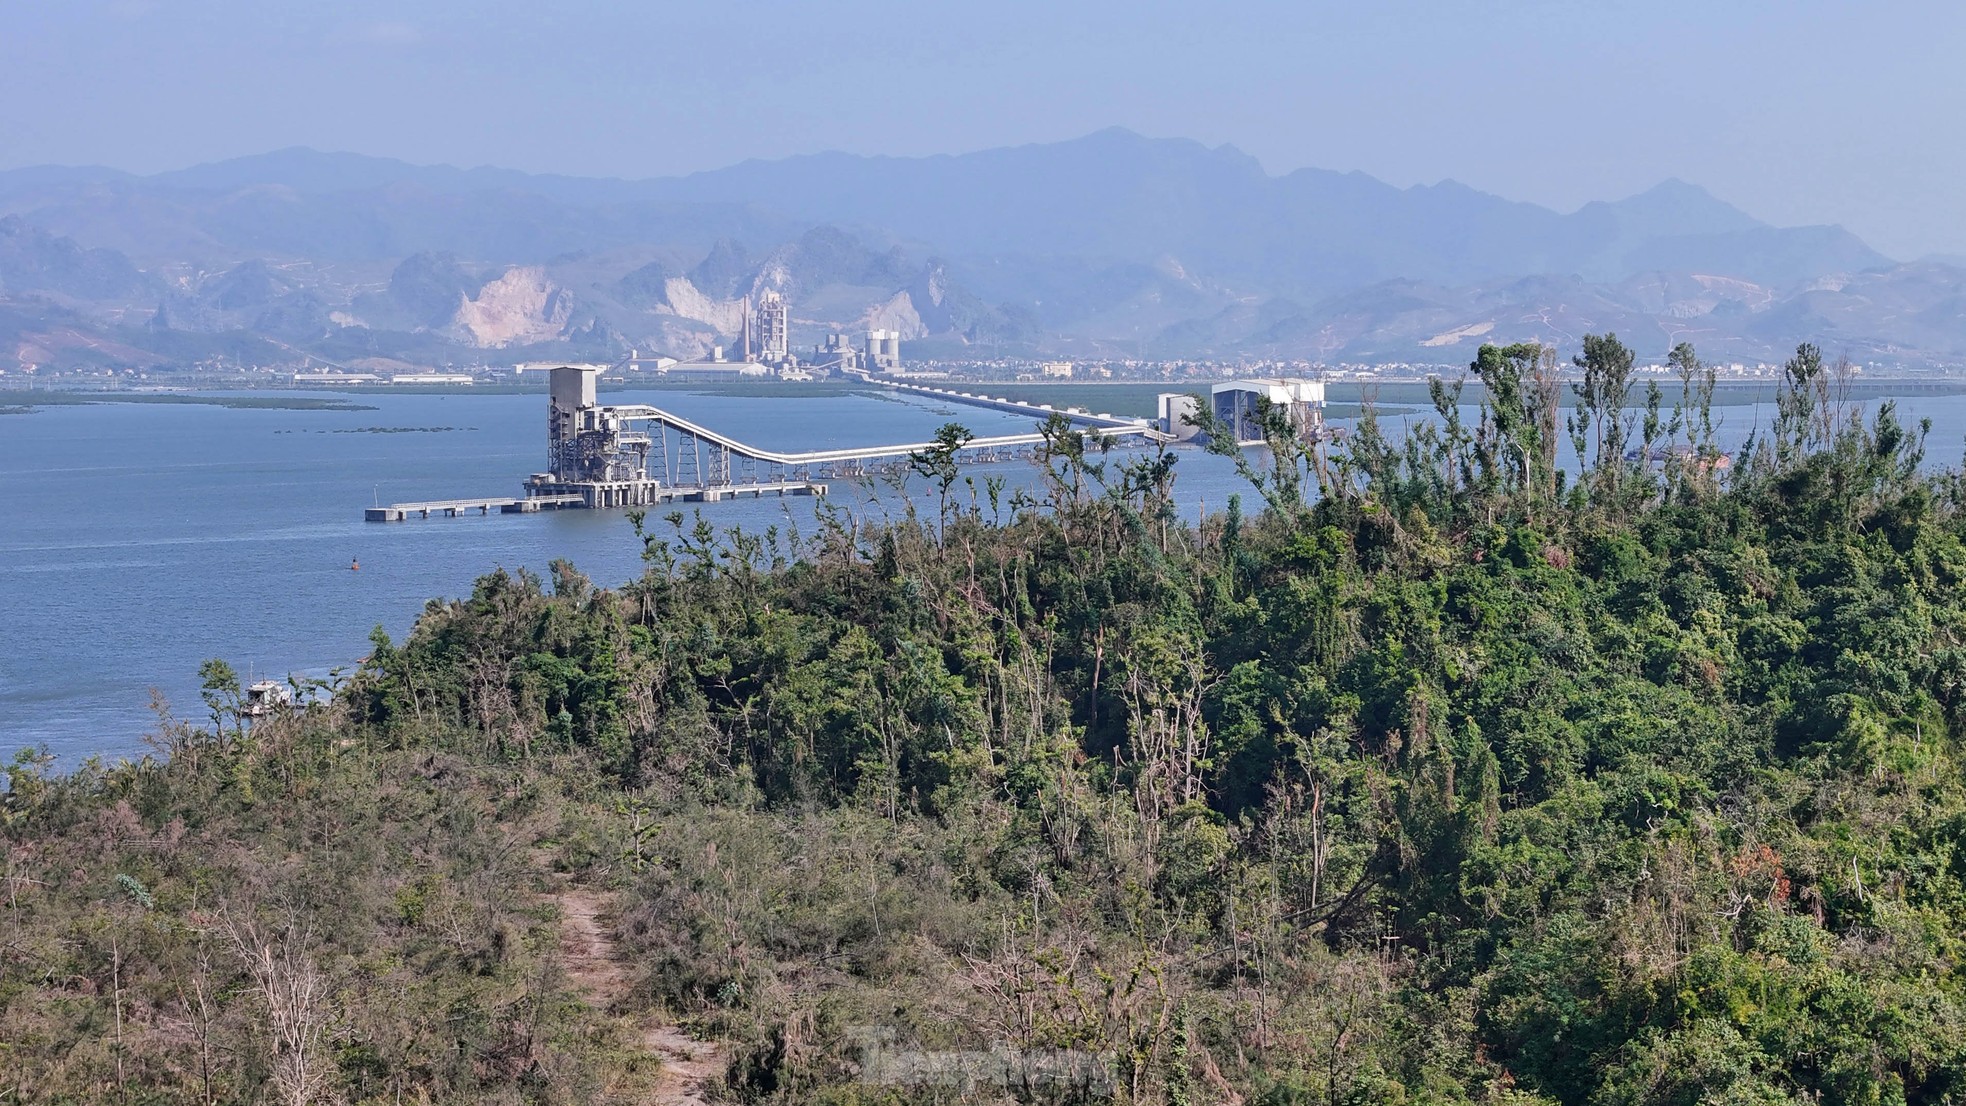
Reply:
x=1449, y=776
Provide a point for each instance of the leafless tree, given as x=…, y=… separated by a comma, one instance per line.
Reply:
x=295, y=995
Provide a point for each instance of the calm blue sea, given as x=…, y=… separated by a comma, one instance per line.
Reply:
x=137, y=540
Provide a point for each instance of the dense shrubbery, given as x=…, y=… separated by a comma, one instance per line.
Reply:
x=1464, y=778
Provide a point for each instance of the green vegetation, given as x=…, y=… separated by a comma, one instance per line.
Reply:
x=1447, y=777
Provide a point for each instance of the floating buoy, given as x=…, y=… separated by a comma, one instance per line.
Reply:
x=354, y=565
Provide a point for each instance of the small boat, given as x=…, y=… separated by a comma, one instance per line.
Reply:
x=265, y=697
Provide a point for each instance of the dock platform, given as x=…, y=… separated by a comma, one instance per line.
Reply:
x=597, y=496
x=508, y=505
x=748, y=491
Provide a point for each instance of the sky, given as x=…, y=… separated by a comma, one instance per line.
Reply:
x=1802, y=111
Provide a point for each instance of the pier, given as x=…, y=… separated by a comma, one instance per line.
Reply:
x=507, y=505
x=605, y=497
x=602, y=457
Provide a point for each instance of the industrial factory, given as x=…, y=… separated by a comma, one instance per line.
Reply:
x=1239, y=405
x=764, y=348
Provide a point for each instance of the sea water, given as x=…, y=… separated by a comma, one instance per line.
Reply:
x=138, y=540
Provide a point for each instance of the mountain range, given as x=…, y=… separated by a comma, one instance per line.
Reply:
x=1111, y=245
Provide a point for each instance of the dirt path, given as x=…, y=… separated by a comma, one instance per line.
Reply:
x=593, y=962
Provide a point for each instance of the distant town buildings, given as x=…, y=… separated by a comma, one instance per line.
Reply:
x=763, y=347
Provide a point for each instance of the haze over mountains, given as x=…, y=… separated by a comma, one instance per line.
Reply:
x=1109, y=245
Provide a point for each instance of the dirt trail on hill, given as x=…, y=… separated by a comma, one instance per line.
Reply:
x=593, y=962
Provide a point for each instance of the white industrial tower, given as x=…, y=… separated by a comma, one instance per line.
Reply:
x=774, y=335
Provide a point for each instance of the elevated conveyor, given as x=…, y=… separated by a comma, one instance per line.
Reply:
x=636, y=455
x=736, y=448
x=665, y=450
x=1094, y=422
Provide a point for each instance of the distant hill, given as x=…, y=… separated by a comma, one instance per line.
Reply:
x=1120, y=196
x=1113, y=244
x=33, y=260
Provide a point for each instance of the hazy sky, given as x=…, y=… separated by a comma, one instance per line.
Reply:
x=1803, y=111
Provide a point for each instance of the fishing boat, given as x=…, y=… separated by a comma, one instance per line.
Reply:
x=266, y=697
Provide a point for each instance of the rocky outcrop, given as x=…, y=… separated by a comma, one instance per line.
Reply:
x=684, y=339
x=520, y=308
x=898, y=313
x=685, y=299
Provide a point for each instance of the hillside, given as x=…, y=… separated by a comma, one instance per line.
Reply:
x=1457, y=783
x=1109, y=245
